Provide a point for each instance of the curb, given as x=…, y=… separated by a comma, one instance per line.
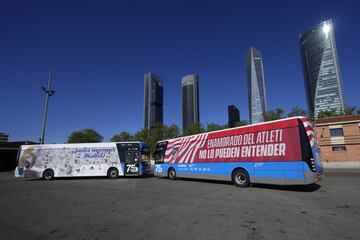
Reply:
x=341, y=165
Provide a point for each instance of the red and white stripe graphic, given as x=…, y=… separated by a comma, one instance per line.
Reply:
x=309, y=131
x=184, y=150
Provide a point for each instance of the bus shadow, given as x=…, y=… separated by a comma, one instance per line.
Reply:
x=292, y=188
x=89, y=178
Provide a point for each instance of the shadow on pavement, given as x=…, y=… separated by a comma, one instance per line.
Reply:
x=293, y=188
x=86, y=178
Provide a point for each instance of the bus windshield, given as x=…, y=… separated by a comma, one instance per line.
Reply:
x=145, y=154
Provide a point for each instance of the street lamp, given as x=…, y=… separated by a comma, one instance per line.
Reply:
x=48, y=93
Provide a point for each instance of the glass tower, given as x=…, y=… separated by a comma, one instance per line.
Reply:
x=153, y=100
x=323, y=83
x=256, y=86
x=190, y=99
x=234, y=115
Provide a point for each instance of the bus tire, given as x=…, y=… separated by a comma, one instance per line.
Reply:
x=172, y=174
x=113, y=173
x=241, y=178
x=48, y=174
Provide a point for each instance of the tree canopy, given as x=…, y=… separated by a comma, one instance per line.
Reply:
x=271, y=115
x=297, y=111
x=193, y=128
x=122, y=137
x=87, y=135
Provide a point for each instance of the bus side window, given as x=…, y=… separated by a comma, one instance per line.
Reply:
x=160, y=152
x=159, y=157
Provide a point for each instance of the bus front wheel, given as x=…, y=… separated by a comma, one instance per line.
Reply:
x=172, y=174
x=241, y=178
x=48, y=174
x=113, y=173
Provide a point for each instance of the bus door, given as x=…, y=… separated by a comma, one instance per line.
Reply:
x=132, y=166
x=129, y=158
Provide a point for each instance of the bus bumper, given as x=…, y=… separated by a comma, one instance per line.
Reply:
x=313, y=177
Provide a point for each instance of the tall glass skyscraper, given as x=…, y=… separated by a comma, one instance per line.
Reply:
x=190, y=99
x=153, y=100
x=256, y=86
x=234, y=115
x=323, y=83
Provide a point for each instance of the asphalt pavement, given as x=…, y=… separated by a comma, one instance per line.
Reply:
x=158, y=208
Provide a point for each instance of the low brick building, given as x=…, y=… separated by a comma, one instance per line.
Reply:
x=339, y=138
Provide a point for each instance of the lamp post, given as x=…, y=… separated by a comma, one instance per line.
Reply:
x=48, y=93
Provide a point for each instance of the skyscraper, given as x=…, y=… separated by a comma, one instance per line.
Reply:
x=256, y=86
x=323, y=83
x=190, y=97
x=234, y=115
x=153, y=100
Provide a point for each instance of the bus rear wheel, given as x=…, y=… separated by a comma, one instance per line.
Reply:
x=113, y=173
x=48, y=174
x=241, y=178
x=172, y=174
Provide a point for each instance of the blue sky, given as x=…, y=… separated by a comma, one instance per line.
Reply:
x=100, y=50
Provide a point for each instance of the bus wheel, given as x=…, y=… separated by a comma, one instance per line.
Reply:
x=172, y=174
x=241, y=178
x=113, y=173
x=48, y=174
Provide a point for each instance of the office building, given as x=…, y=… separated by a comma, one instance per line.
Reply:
x=4, y=137
x=256, y=86
x=153, y=100
x=190, y=100
x=234, y=115
x=322, y=76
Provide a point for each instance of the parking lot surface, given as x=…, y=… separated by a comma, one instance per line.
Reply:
x=158, y=208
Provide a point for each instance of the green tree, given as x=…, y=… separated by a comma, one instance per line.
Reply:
x=297, y=111
x=271, y=115
x=214, y=127
x=142, y=135
x=87, y=135
x=241, y=123
x=327, y=113
x=122, y=137
x=171, y=131
x=350, y=110
x=193, y=128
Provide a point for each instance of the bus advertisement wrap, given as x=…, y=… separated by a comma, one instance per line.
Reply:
x=236, y=145
x=278, y=152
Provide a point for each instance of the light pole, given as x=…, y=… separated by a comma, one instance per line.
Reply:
x=48, y=93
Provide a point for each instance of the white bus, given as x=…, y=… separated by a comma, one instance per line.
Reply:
x=111, y=159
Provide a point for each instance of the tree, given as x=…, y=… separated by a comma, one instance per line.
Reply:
x=271, y=115
x=122, y=137
x=214, y=127
x=349, y=110
x=193, y=128
x=142, y=135
x=87, y=135
x=171, y=131
x=327, y=113
x=297, y=111
x=241, y=123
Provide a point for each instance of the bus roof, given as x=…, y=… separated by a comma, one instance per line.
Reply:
x=246, y=126
x=78, y=145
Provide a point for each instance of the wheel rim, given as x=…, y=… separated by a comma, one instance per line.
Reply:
x=240, y=178
x=113, y=173
x=48, y=175
x=172, y=174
